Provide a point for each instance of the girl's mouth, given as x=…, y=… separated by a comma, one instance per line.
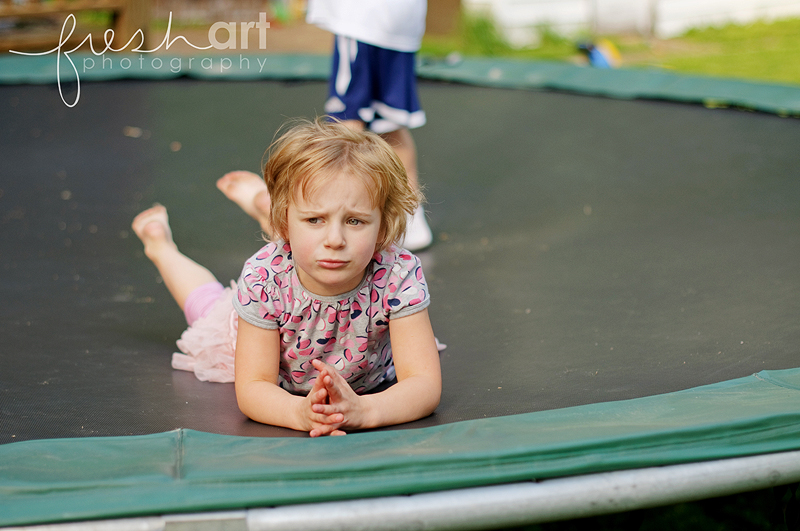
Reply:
x=332, y=264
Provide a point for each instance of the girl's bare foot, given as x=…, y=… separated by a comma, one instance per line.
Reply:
x=181, y=274
x=249, y=191
x=152, y=227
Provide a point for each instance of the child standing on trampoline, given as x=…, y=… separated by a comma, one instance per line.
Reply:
x=330, y=308
x=373, y=82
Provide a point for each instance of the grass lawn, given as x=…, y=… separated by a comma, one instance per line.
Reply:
x=759, y=51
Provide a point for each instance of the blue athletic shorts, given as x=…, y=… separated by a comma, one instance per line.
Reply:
x=375, y=85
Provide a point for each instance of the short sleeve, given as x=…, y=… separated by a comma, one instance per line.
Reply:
x=406, y=292
x=257, y=299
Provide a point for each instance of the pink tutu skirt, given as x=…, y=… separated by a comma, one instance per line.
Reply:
x=208, y=345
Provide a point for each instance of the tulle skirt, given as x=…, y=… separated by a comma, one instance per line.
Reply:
x=208, y=345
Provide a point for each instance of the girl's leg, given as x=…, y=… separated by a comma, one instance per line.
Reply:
x=181, y=274
x=249, y=191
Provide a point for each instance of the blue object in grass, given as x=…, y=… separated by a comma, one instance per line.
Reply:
x=600, y=55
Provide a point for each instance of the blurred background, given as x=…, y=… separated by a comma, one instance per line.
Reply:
x=745, y=39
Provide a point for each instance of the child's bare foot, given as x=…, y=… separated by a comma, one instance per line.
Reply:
x=152, y=227
x=249, y=191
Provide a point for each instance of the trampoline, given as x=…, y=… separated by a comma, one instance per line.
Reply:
x=618, y=272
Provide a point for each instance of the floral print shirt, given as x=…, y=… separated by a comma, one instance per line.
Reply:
x=348, y=331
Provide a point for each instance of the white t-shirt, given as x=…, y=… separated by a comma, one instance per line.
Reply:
x=393, y=24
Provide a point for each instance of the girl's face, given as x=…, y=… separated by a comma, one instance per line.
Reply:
x=333, y=234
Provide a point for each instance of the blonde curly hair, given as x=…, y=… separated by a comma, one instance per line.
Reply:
x=310, y=152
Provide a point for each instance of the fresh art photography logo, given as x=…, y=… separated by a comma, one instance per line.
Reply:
x=238, y=37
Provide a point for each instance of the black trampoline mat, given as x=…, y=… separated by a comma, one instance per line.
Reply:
x=588, y=249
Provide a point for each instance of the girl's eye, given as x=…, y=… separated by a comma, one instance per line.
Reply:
x=353, y=221
x=312, y=221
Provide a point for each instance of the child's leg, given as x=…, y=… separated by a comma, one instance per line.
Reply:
x=181, y=274
x=356, y=125
x=403, y=144
x=249, y=191
x=418, y=233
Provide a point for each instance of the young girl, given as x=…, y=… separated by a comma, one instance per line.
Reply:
x=329, y=309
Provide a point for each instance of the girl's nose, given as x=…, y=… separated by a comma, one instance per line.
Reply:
x=334, y=237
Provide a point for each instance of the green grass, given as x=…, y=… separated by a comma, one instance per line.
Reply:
x=478, y=36
x=760, y=51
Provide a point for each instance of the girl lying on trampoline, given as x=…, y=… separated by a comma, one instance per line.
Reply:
x=330, y=308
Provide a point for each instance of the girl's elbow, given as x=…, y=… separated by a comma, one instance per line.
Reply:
x=431, y=408
x=243, y=401
x=434, y=399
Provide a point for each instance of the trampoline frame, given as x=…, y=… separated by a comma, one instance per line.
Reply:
x=496, y=506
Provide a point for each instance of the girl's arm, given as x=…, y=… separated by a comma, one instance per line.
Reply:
x=259, y=395
x=419, y=381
